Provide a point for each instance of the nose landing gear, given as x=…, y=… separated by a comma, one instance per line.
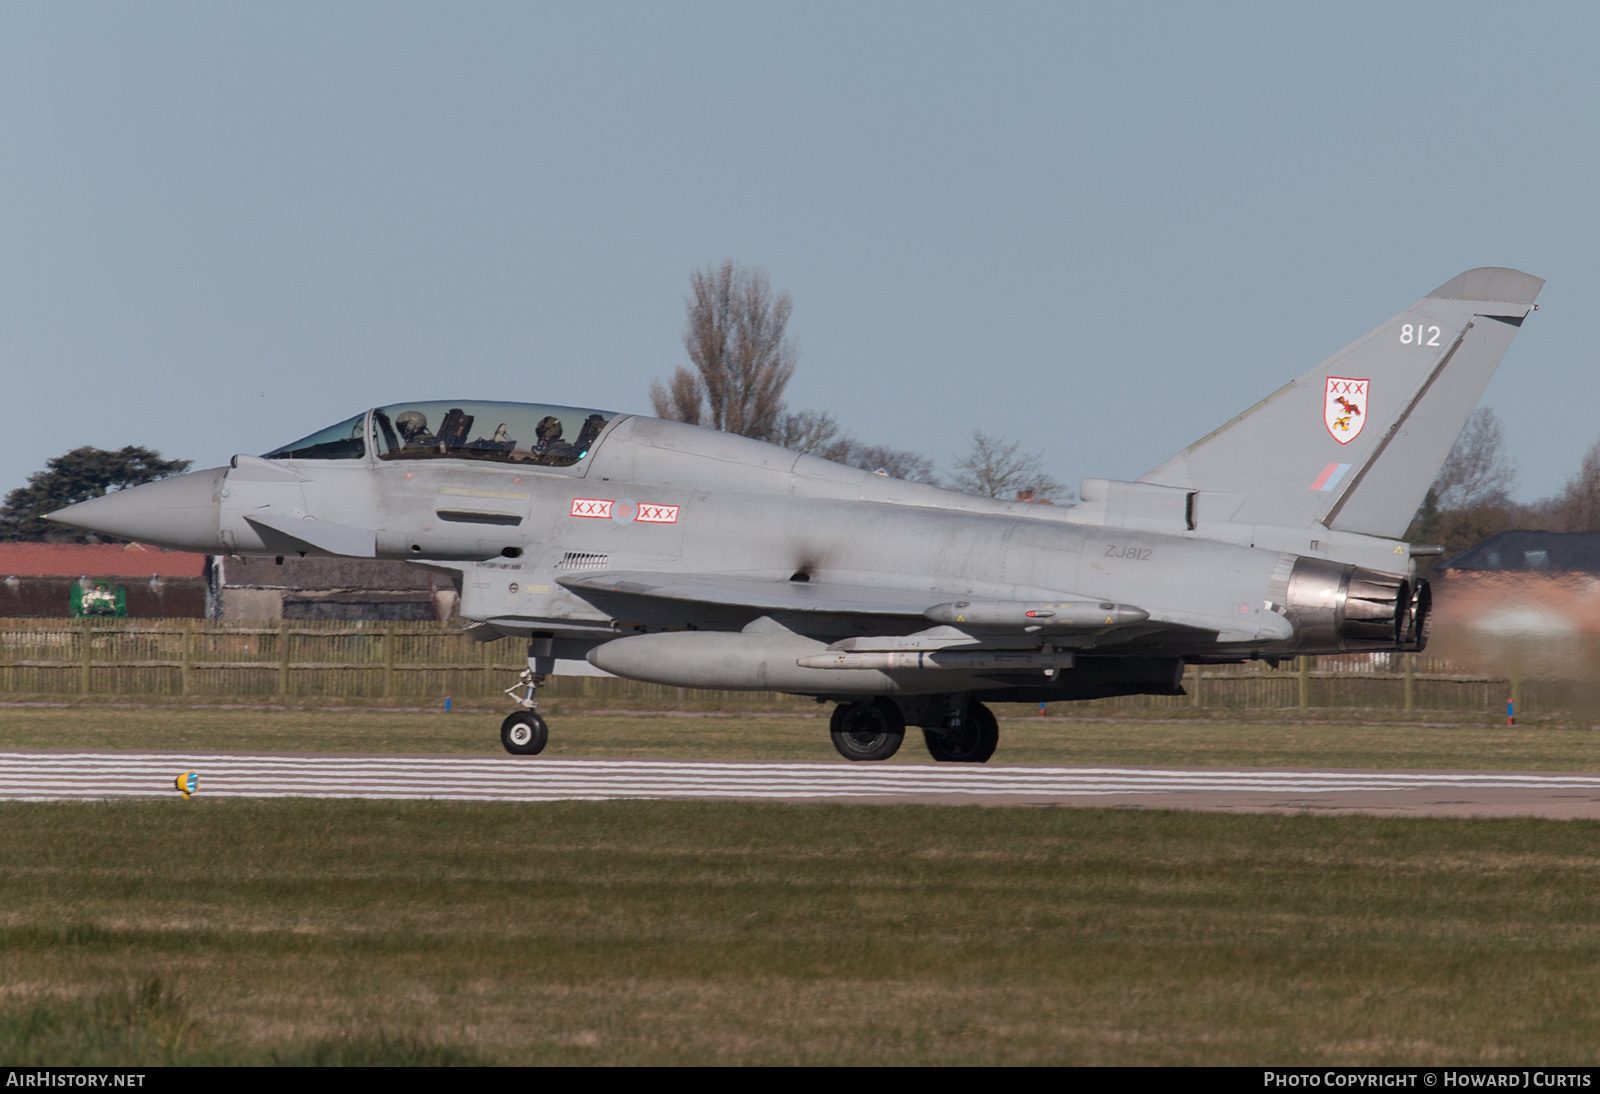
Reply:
x=524, y=733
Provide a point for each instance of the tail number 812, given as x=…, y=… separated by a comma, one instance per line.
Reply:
x=1410, y=335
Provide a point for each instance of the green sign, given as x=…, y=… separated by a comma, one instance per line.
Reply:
x=98, y=598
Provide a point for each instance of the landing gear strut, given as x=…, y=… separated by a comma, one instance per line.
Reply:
x=871, y=730
x=524, y=733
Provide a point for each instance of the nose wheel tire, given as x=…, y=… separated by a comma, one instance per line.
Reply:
x=972, y=742
x=868, y=731
x=524, y=733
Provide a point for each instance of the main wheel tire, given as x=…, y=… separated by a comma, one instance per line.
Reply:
x=524, y=733
x=868, y=731
x=972, y=743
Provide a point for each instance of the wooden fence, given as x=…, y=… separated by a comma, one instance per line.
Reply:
x=364, y=660
x=357, y=660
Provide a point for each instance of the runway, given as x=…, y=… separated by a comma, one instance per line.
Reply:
x=83, y=776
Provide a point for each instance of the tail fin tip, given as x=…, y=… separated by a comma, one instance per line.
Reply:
x=1496, y=283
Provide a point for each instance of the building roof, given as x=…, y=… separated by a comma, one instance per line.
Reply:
x=97, y=560
x=1523, y=550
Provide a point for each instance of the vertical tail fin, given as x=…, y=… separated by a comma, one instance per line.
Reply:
x=1355, y=442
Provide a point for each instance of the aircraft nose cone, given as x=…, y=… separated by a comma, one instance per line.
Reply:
x=180, y=512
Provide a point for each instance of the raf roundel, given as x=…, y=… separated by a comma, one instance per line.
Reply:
x=1344, y=407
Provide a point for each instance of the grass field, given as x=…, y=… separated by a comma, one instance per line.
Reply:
x=1258, y=742
x=650, y=932
x=227, y=931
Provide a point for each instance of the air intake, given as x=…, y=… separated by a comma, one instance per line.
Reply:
x=582, y=560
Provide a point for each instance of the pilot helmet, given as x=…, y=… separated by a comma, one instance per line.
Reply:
x=549, y=428
x=411, y=423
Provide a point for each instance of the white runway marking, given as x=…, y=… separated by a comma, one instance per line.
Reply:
x=56, y=776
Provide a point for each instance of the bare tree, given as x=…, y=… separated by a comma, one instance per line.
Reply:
x=743, y=362
x=681, y=399
x=1477, y=471
x=1577, y=508
x=1470, y=499
x=813, y=433
x=818, y=433
x=897, y=463
x=742, y=359
x=996, y=469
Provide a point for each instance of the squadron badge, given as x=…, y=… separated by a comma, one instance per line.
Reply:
x=1344, y=407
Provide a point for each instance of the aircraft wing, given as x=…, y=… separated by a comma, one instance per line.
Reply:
x=965, y=620
x=758, y=592
x=953, y=607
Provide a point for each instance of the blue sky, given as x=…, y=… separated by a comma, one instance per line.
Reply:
x=1102, y=229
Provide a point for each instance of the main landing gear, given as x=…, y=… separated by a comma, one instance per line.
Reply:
x=871, y=730
x=955, y=729
x=525, y=733
x=969, y=739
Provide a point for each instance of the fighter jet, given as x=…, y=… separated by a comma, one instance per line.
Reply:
x=666, y=552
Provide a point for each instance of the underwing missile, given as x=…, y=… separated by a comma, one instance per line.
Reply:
x=944, y=660
x=1037, y=613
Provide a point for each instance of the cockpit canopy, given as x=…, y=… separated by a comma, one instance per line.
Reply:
x=553, y=436
x=520, y=433
x=345, y=441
